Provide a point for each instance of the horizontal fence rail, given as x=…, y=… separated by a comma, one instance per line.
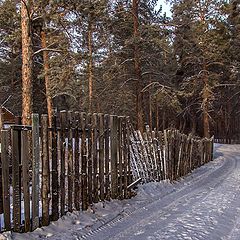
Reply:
x=157, y=156
x=48, y=171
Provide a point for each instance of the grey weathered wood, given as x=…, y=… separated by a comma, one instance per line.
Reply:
x=26, y=179
x=84, y=163
x=45, y=171
x=114, y=155
x=70, y=161
x=101, y=155
x=55, y=181
x=125, y=157
x=35, y=166
x=5, y=179
x=63, y=126
x=77, y=179
x=120, y=158
x=95, y=164
x=107, y=156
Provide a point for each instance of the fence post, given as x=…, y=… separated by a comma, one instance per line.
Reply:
x=107, y=157
x=95, y=156
x=84, y=163
x=5, y=179
x=35, y=166
x=70, y=161
x=63, y=126
x=77, y=178
x=26, y=178
x=101, y=155
x=45, y=171
x=55, y=181
x=114, y=155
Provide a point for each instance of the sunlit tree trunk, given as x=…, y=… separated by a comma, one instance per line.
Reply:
x=27, y=61
x=46, y=77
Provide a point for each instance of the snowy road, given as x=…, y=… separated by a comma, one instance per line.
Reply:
x=207, y=207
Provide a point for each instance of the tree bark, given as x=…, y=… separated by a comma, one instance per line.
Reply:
x=46, y=76
x=27, y=62
x=137, y=66
x=205, y=105
x=90, y=65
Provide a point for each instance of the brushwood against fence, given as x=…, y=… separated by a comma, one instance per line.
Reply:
x=47, y=171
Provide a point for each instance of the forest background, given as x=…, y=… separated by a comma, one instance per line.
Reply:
x=125, y=58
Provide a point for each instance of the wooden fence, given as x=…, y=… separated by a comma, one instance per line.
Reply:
x=48, y=171
x=157, y=156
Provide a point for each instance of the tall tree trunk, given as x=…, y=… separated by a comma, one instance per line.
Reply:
x=46, y=76
x=205, y=105
x=137, y=66
x=27, y=61
x=90, y=65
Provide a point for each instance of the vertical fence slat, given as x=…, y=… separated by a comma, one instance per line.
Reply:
x=63, y=126
x=95, y=157
x=77, y=179
x=107, y=156
x=114, y=155
x=90, y=158
x=15, y=182
x=45, y=171
x=5, y=179
x=120, y=157
x=101, y=156
x=125, y=157
x=55, y=184
x=70, y=161
x=84, y=163
x=26, y=178
x=35, y=166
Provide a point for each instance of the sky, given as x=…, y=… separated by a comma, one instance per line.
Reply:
x=165, y=7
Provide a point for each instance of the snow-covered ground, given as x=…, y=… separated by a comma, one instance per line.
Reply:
x=203, y=205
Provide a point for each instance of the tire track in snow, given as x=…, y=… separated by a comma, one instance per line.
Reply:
x=126, y=219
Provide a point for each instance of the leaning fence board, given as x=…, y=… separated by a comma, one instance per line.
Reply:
x=5, y=179
x=45, y=171
x=35, y=166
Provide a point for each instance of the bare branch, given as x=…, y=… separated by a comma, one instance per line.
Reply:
x=48, y=50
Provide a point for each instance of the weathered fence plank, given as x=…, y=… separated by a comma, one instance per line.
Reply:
x=26, y=179
x=35, y=166
x=77, y=178
x=114, y=155
x=63, y=126
x=70, y=161
x=45, y=171
x=101, y=156
x=107, y=156
x=5, y=179
x=55, y=164
x=84, y=163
